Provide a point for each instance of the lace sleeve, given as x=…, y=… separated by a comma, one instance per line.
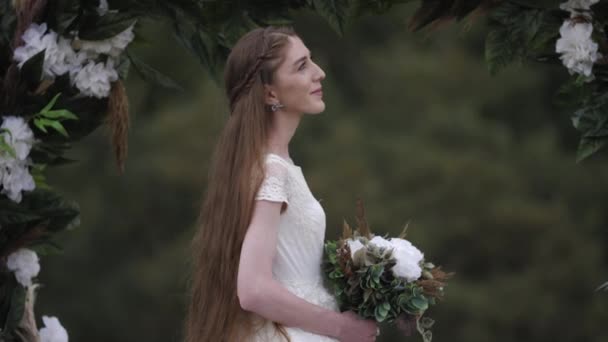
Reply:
x=274, y=185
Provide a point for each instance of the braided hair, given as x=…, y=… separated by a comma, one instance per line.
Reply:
x=261, y=66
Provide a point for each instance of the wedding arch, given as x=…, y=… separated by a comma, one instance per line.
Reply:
x=63, y=64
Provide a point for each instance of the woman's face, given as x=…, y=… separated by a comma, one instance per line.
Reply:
x=297, y=81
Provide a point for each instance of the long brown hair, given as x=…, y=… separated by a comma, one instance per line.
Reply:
x=235, y=175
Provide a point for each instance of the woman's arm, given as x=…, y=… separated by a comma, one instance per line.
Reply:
x=259, y=292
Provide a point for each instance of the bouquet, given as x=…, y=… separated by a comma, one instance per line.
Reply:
x=386, y=279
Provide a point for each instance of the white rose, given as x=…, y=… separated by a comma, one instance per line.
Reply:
x=52, y=331
x=24, y=263
x=578, y=51
x=21, y=137
x=94, y=79
x=354, y=246
x=380, y=242
x=408, y=260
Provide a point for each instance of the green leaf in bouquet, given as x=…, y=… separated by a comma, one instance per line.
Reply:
x=429, y=265
x=336, y=274
x=338, y=290
x=367, y=294
x=382, y=311
x=402, y=300
x=376, y=272
x=420, y=303
x=427, y=275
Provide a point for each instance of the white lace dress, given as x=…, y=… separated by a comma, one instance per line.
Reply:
x=301, y=236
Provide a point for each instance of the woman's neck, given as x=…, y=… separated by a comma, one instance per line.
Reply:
x=283, y=128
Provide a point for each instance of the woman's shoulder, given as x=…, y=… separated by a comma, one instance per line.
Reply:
x=276, y=159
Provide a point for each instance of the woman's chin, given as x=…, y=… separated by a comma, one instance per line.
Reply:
x=318, y=108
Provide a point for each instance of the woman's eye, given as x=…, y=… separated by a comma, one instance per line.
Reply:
x=302, y=66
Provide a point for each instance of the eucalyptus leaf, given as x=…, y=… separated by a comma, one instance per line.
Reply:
x=420, y=303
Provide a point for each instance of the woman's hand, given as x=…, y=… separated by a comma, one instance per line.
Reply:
x=356, y=329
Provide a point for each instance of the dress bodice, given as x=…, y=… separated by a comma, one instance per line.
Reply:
x=301, y=235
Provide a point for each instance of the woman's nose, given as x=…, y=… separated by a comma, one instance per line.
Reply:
x=320, y=74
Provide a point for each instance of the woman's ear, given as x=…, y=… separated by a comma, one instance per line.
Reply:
x=270, y=96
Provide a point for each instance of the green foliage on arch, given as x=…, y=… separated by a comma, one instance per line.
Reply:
x=519, y=32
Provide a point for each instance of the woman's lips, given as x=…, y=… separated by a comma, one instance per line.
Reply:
x=318, y=92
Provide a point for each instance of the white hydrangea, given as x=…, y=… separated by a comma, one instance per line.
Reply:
x=58, y=55
x=15, y=178
x=578, y=51
x=32, y=38
x=408, y=259
x=574, y=6
x=103, y=7
x=354, y=246
x=62, y=58
x=112, y=46
x=14, y=173
x=94, y=79
x=52, y=330
x=19, y=136
x=24, y=263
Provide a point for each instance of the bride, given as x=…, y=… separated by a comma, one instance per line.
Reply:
x=257, y=253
